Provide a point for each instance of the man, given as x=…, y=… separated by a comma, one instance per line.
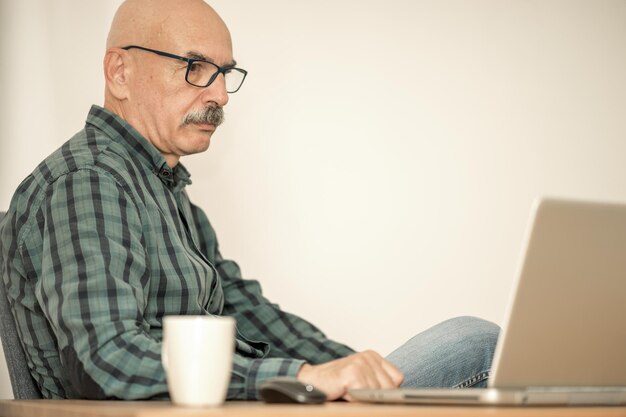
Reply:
x=101, y=241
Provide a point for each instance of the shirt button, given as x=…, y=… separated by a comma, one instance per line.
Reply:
x=165, y=173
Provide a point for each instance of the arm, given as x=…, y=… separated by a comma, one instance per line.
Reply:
x=93, y=289
x=257, y=319
x=336, y=367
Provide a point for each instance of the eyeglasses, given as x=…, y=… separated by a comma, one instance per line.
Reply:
x=201, y=73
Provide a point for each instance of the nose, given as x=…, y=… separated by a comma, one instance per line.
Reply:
x=216, y=92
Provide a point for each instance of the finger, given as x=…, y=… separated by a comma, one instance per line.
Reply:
x=361, y=373
x=382, y=374
x=369, y=374
x=357, y=382
x=349, y=398
x=394, y=373
x=385, y=380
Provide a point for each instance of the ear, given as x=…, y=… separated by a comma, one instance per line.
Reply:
x=117, y=72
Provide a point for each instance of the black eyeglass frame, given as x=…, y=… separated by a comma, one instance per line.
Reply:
x=190, y=61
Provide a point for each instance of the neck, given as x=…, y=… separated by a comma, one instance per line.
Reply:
x=115, y=106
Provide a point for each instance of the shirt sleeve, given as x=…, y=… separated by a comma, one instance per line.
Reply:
x=290, y=337
x=93, y=289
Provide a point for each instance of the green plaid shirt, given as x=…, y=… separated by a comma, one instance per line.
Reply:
x=99, y=244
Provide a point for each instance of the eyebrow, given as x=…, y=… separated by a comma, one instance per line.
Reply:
x=200, y=56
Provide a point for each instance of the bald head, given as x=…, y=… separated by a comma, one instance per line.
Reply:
x=148, y=87
x=154, y=22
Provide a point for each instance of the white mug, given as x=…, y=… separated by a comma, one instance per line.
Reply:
x=197, y=354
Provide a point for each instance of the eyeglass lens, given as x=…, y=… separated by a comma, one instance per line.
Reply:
x=202, y=73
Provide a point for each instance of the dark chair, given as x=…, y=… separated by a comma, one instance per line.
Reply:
x=24, y=387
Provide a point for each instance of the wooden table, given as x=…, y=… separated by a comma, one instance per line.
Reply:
x=72, y=408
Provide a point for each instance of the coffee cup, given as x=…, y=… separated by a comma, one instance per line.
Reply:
x=197, y=354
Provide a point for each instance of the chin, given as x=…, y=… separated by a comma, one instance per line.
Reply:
x=195, y=150
x=200, y=144
x=194, y=141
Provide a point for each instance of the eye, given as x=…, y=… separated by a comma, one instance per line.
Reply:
x=195, y=67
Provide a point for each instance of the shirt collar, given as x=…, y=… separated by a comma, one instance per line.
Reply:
x=137, y=146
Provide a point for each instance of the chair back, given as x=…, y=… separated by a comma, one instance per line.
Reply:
x=23, y=384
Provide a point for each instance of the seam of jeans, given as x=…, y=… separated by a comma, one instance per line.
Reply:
x=470, y=382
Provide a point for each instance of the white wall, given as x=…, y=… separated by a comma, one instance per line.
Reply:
x=376, y=170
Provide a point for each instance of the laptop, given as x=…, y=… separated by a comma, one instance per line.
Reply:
x=563, y=340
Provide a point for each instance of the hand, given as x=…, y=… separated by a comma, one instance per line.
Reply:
x=361, y=370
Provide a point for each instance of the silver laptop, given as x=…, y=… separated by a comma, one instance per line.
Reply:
x=563, y=341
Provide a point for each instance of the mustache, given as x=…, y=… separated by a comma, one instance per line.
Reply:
x=209, y=115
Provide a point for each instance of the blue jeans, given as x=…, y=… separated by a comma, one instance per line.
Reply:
x=456, y=353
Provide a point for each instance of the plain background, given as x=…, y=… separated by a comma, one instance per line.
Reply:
x=377, y=169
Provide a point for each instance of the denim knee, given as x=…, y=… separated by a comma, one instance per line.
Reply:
x=455, y=353
x=474, y=332
x=474, y=328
